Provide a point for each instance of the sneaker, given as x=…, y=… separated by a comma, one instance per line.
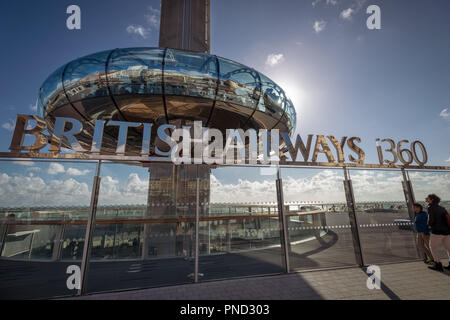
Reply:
x=437, y=267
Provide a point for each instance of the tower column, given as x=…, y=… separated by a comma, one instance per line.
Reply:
x=185, y=25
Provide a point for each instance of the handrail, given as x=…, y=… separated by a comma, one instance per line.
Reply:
x=17, y=156
x=100, y=221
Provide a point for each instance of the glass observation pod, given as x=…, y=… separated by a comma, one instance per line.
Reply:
x=162, y=85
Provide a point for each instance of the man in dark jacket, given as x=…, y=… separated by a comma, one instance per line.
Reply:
x=423, y=233
x=440, y=231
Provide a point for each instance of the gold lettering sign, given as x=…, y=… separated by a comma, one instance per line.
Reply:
x=390, y=152
x=21, y=130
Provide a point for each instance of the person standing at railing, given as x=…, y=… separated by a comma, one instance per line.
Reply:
x=423, y=233
x=440, y=230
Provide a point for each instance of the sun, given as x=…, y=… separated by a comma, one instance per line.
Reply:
x=295, y=92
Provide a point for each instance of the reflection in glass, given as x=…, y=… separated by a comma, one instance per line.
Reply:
x=318, y=221
x=239, y=84
x=386, y=231
x=242, y=237
x=117, y=241
x=43, y=212
x=162, y=85
x=86, y=77
x=142, y=240
x=73, y=241
x=144, y=233
x=190, y=74
x=135, y=71
x=273, y=100
x=290, y=115
x=51, y=92
x=425, y=183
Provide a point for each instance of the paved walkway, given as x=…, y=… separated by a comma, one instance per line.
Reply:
x=405, y=281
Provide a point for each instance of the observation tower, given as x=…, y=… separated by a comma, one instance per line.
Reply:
x=178, y=83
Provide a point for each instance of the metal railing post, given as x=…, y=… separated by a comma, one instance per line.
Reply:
x=146, y=231
x=89, y=231
x=31, y=246
x=284, y=236
x=3, y=239
x=197, y=221
x=410, y=200
x=409, y=195
x=350, y=197
x=57, y=247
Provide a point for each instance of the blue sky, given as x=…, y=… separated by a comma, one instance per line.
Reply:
x=345, y=80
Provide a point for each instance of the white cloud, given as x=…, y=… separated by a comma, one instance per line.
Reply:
x=67, y=150
x=108, y=185
x=358, y=4
x=425, y=183
x=21, y=191
x=274, y=58
x=137, y=29
x=32, y=190
x=134, y=185
x=24, y=163
x=326, y=186
x=319, y=26
x=328, y=2
x=242, y=191
x=445, y=114
x=33, y=107
x=153, y=18
x=55, y=168
x=133, y=191
x=76, y=172
x=9, y=125
x=347, y=14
